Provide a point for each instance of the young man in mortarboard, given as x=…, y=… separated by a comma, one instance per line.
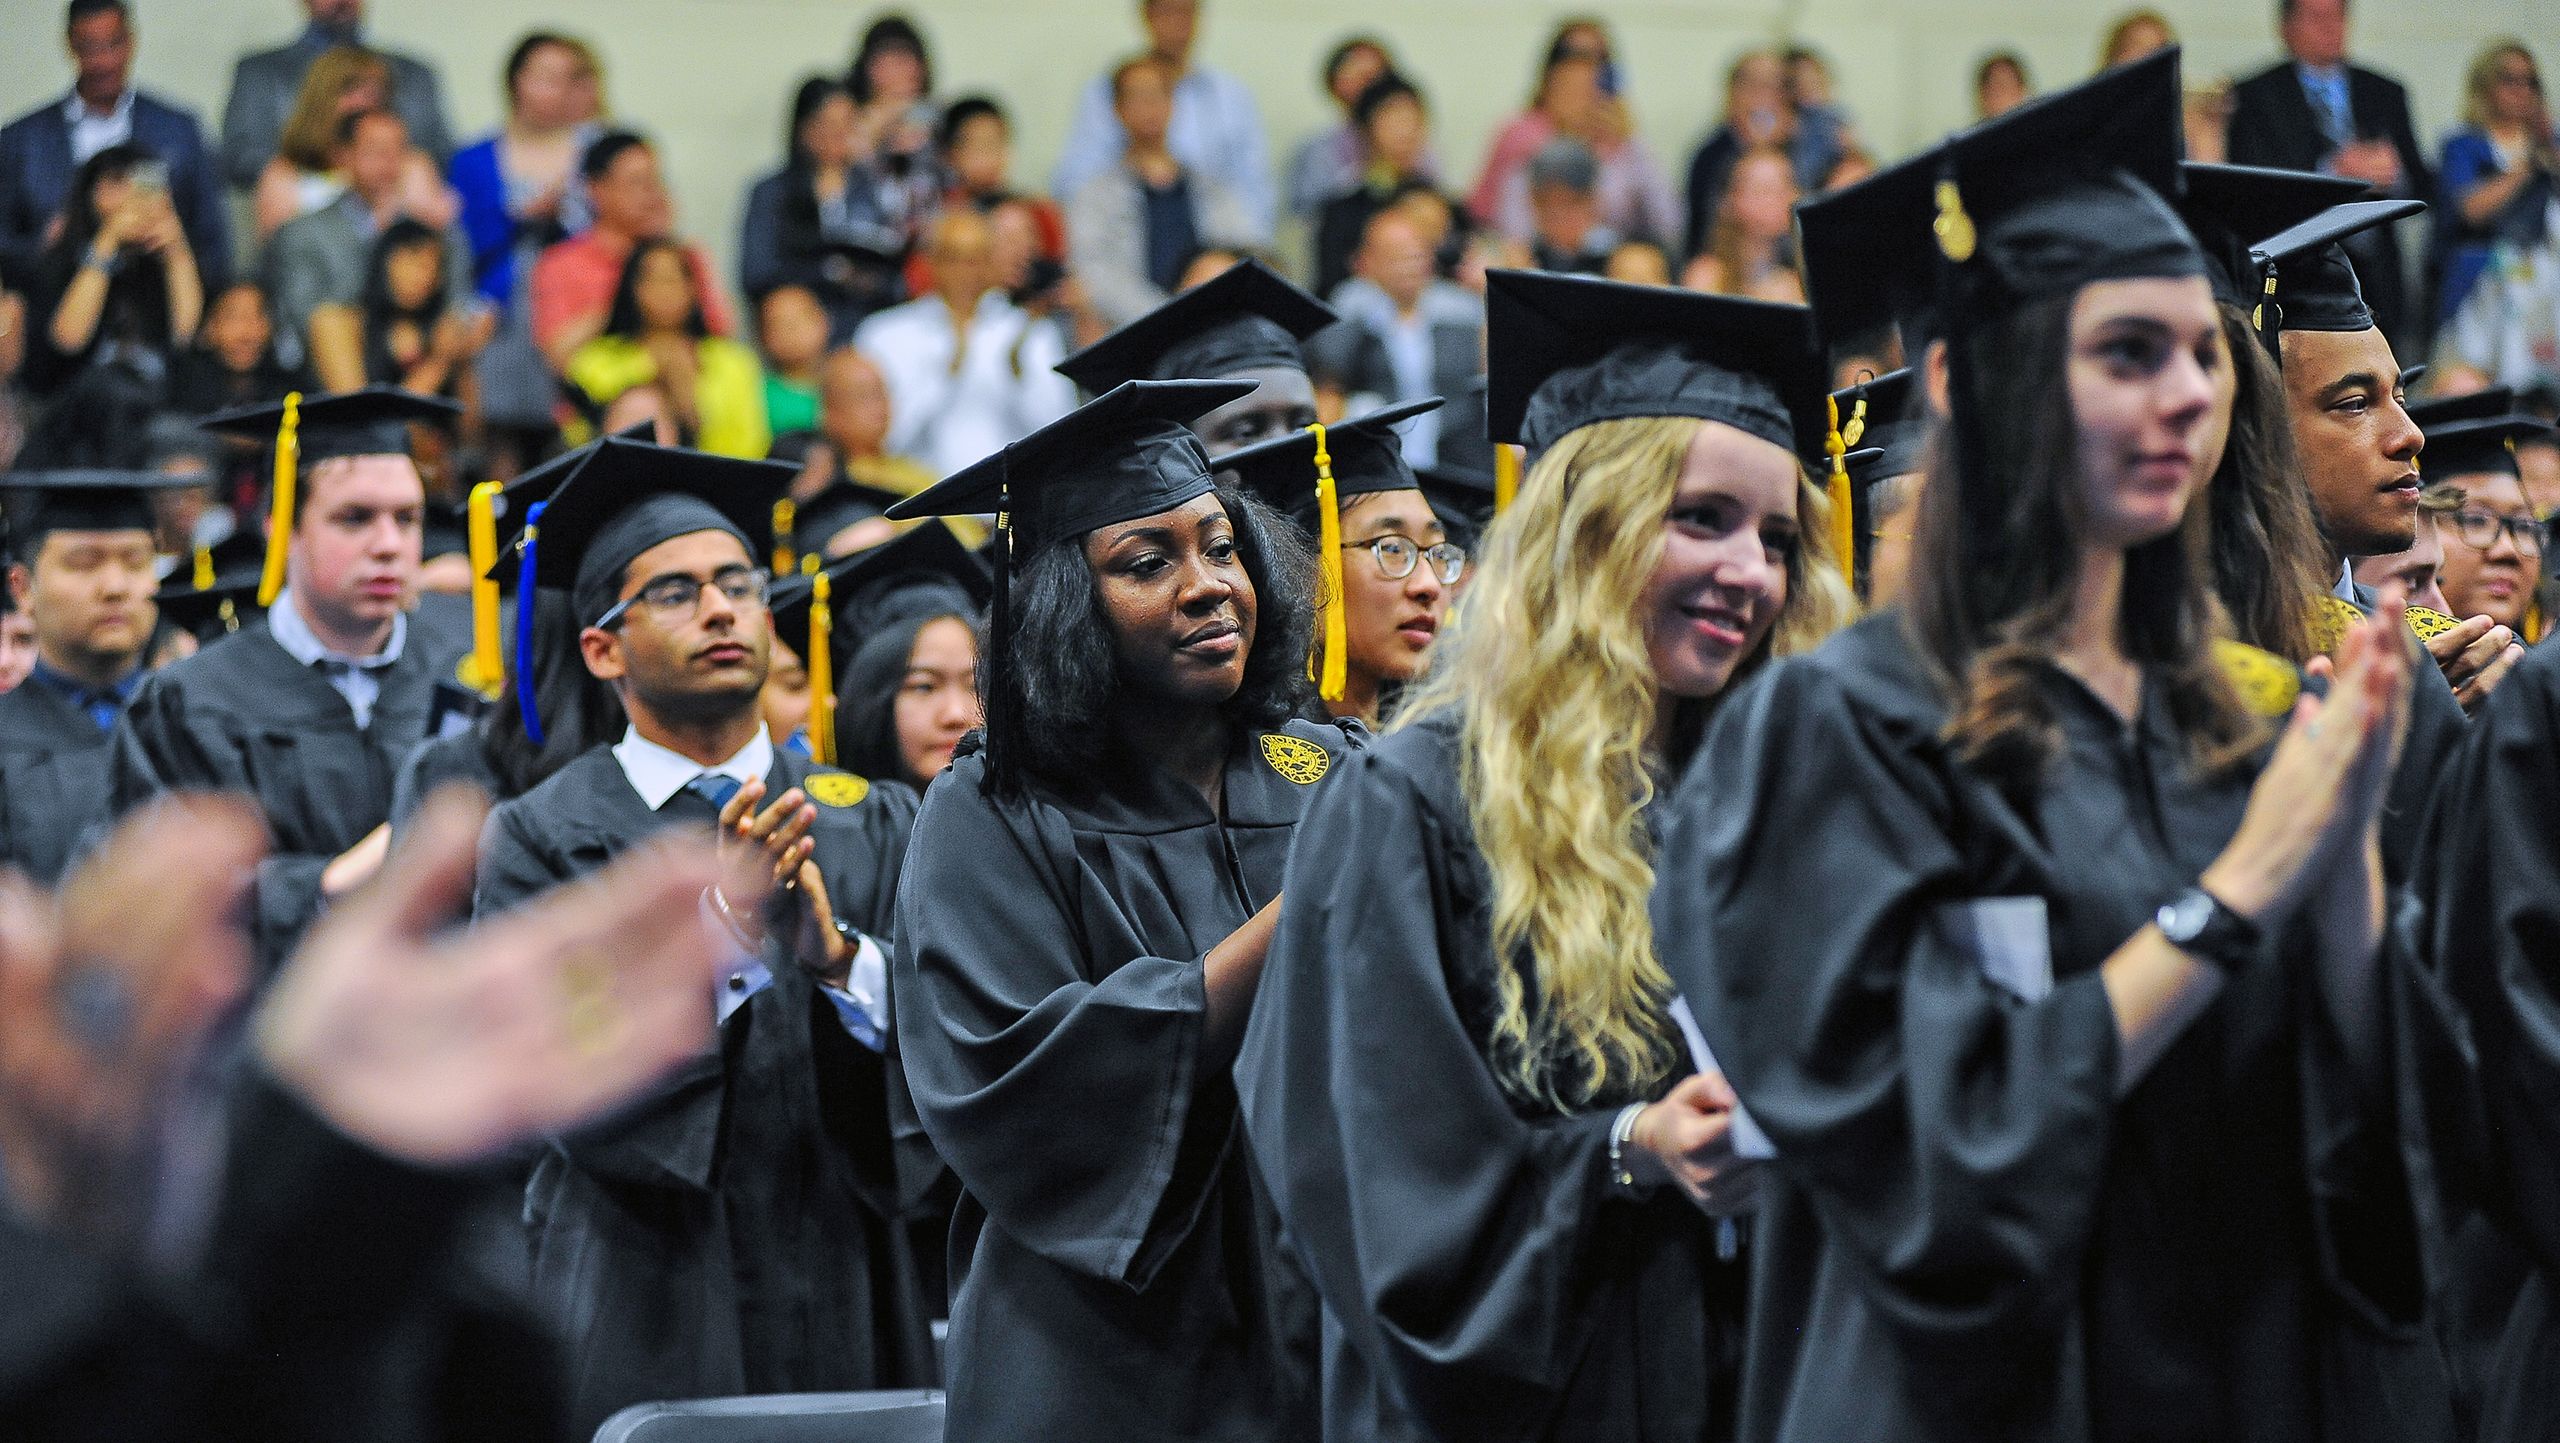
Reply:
x=84, y=575
x=310, y=708
x=1247, y=324
x=743, y=1231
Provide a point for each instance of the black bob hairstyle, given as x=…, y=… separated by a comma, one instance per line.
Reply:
x=1053, y=696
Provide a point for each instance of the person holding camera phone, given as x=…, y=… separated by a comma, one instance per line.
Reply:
x=115, y=296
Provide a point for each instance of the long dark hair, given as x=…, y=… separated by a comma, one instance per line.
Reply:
x=138, y=294
x=382, y=311
x=624, y=317
x=579, y=712
x=2266, y=542
x=1995, y=565
x=867, y=700
x=813, y=93
x=1062, y=670
x=891, y=30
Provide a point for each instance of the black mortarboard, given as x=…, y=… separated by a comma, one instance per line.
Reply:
x=1462, y=497
x=1125, y=454
x=1244, y=318
x=2234, y=209
x=1567, y=350
x=2313, y=285
x=41, y=502
x=208, y=612
x=845, y=502
x=1363, y=455
x=302, y=431
x=2474, y=434
x=1885, y=420
x=925, y=572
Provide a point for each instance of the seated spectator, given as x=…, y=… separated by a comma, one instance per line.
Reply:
x=1335, y=159
x=266, y=85
x=2000, y=84
x=1404, y=333
x=1395, y=132
x=519, y=192
x=306, y=173
x=1575, y=70
x=575, y=280
x=406, y=329
x=2499, y=173
x=967, y=371
x=1566, y=233
x=39, y=151
x=1750, y=247
x=1821, y=120
x=1036, y=281
x=2136, y=34
x=655, y=334
x=322, y=258
x=116, y=294
x=233, y=362
x=896, y=121
x=1133, y=227
x=1212, y=125
x=791, y=331
x=1638, y=263
x=820, y=221
x=853, y=419
x=976, y=148
x=1759, y=113
x=1852, y=166
x=1627, y=186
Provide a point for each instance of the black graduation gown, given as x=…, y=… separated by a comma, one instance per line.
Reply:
x=317, y=1311
x=243, y=716
x=1482, y=1281
x=743, y=1230
x=435, y=763
x=1967, y=1235
x=53, y=779
x=2487, y=925
x=1111, y=1261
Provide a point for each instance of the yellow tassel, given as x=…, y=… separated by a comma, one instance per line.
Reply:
x=280, y=511
x=1506, y=476
x=485, y=670
x=204, y=568
x=822, y=671
x=1333, y=677
x=1844, y=531
x=785, y=515
x=1954, y=228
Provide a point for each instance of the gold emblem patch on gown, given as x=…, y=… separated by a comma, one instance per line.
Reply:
x=2428, y=622
x=1300, y=761
x=2331, y=618
x=2267, y=683
x=836, y=789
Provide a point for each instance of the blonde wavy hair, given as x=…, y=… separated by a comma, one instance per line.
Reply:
x=311, y=131
x=1545, y=669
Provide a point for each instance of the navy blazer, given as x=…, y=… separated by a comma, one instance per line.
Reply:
x=36, y=170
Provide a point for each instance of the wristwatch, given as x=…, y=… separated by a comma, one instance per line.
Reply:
x=2196, y=923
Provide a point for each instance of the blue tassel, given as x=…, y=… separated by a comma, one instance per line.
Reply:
x=525, y=701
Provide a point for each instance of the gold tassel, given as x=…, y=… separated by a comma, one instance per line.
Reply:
x=821, y=663
x=1333, y=677
x=204, y=568
x=786, y=514
x=280, y=510
x=485, y=670
x=1844, y=531
x=1506, y=475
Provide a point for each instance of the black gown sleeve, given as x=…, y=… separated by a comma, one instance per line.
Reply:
x=1951, y=1139
x=1452, y=1238
x=1061, y=1100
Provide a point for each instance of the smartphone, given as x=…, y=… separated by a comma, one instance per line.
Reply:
x=149, y=177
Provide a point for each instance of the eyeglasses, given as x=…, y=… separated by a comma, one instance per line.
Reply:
x=673, y=598
x=1396, y=556
x=2479, y=530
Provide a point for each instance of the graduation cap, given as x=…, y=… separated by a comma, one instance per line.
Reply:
x=2307, y=283
x=925, y=571
x=1310, y=474
x=1565, y=351
x=42, y=502
x=1461, y=496
x=1125, y=454
x=1886, y=424
x=305, y=431
x=2234, y=209
x=2476, y=434
x=1244, y=318
x=844, y=502
x=212, y=608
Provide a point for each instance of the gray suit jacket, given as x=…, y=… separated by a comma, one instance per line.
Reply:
x=263, y=88
x=321, y=257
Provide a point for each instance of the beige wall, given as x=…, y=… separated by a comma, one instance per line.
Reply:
x=712, y=78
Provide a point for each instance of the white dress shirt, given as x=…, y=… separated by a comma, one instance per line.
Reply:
x=354, y=677
x=1005, y=389
x=657, y=773
x=92, y=132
